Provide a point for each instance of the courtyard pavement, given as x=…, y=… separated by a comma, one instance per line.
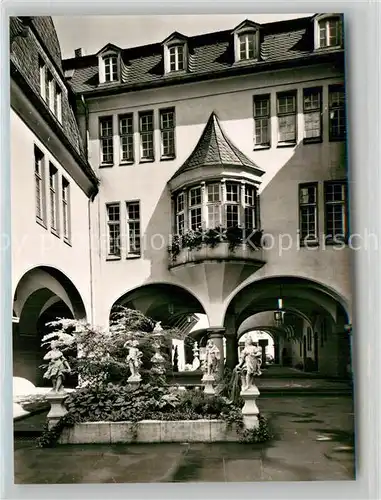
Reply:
x=314, y=441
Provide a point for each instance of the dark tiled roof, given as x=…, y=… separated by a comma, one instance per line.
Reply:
x=25, y=56
x=215, y=148
x=208, y=53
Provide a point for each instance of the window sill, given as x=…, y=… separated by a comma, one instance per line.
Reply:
x=337, y=139
x=309, y=244
x=146, y=160
x=262, y=147
x=246, y=62
x=313, y=140
x=133, y=257
x=168, y=158
x=329, y=48
x=55, y=233
x=67, y=242
x=286, y=144
x=126, y=163
x=41, y=223
x=106, y=165
x=113, y=257
x=338, y=243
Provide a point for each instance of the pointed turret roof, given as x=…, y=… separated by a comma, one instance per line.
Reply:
x=214, y=148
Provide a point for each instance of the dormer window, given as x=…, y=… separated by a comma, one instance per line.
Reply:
x=176, y=58
x=328, y=31
x=247, y=46
x=109, y=61
x=246, y=41
x=175, y=53
x=110, y=68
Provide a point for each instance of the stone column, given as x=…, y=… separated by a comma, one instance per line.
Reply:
x=57, y=407
x=231, y=351
x=217, y=335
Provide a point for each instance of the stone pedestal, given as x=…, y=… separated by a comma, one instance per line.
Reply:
x=134, y=381
x=208, y=381
x=250, y=410
x=57, y=407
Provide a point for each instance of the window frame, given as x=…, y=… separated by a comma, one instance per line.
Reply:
x=126, y=135
x=170, y=130
x=337, y=108
x=180, y=213
x=133, y=254
x=113, y=68
x=113, y=224
x=307, y=92
x=150, y=133
x=66, y=210
x=195, y=206
x=284, y=114
x=326, y=19
x=266, y=116
x=106, y=137
x=54, y=200
x=305, y=241
x=40, y=176
x=335, y=239
x=177, y=60
x=244, y=36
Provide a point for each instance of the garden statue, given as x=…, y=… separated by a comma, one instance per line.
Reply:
x=158, y=360
x=58, y=367
x=196, y=359
x=212, y=356
x=248, y=365
x=134, y=359
x=158, y=328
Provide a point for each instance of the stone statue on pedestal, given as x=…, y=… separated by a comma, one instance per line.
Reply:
x=134, y=359
x=212, y=357
x=58, y=367
x=157, y=360
x=249, y=365
x=196, y=358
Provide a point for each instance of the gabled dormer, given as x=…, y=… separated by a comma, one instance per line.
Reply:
x=328, y=31
x=176, y=54
x=246, y=41
x=109, y=62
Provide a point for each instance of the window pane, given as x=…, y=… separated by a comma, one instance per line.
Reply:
x=214, y=216
x=232, y=215
x=312, y=125
x=262, y=135
x=308, y=195
x=286, y=104
x=195, y=218
x=249, y=195
x=312, y=101
x=261, y=107
x=214, y=192
x=195, y=196
x=180, y=202
x=249, y=218
x=287, y=128
x=232, y=192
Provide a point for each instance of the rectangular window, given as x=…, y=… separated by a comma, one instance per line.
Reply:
x=262, y=122
x=111, y=68
x=66, y=218
x=146, y=136
x=312, y=115
x=249, y=206
x=337, y=118
x=126, y=135
x=133, y=229
x=53, y=191
x=214, y=205
x=42, y=76
x=39, y=177
x=180, y=213
x=106, y=140
x=176, y=58
x=232, y=204
x=49, y=98
x=195, y=209
x=330, y=32
x=167, y=133
x=335, y=201
x=286, y=110
x=247, y=46
x=113, y=229
x=58, y=103
x=308, y=214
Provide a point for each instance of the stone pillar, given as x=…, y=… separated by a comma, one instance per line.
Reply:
x=263, y=343
x=57, y=407
x=231, y=351
x=217, y=335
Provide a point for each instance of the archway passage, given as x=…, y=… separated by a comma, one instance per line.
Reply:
x=308, y=321
x=42, y=295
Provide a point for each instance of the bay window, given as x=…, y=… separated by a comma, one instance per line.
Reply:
x=217, y=204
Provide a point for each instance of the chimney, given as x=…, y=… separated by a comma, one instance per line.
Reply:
x=78, y=52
